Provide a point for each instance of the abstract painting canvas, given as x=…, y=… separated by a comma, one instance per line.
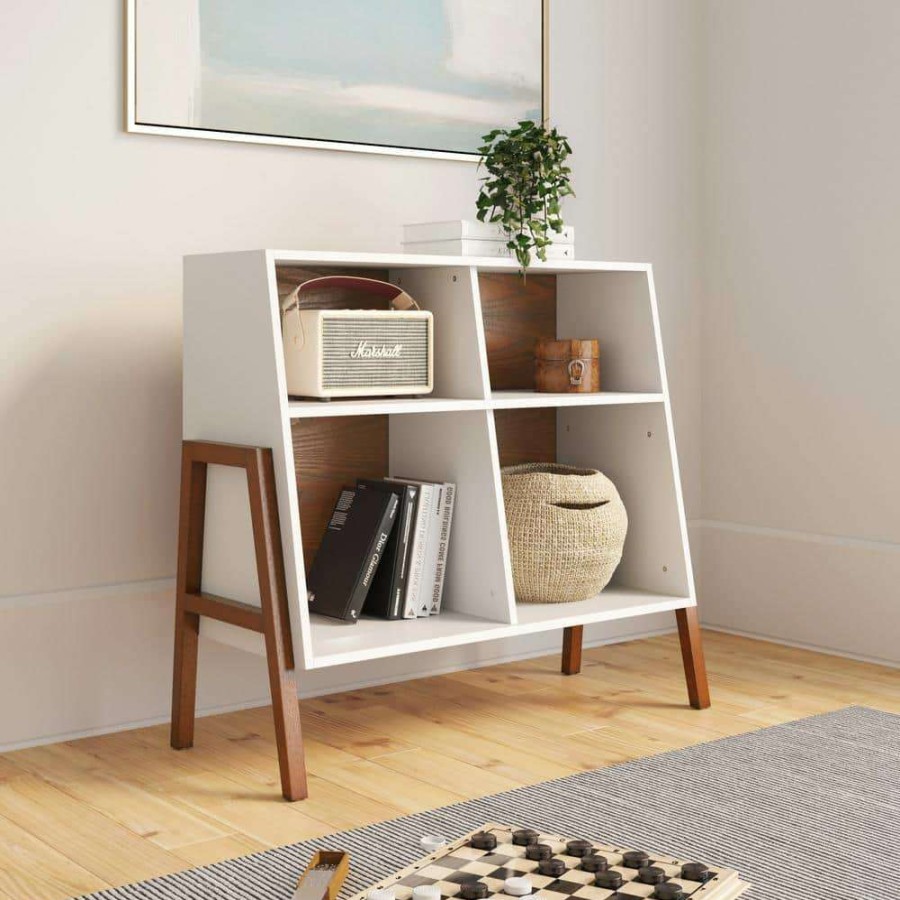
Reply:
x=397, y=76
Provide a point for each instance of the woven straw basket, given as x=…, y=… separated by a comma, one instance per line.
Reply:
x=566, y=531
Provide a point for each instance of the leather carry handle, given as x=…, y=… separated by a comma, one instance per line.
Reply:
x=398, y=298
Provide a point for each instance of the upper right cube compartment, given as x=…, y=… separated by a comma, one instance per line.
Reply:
x=612, y=307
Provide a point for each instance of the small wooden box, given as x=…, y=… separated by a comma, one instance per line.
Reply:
x=570, y=366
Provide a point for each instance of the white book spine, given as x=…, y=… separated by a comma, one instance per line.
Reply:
x=429, y=570
x=448, y=498
x=471, y=229
x=417, y=554
x=482, y=248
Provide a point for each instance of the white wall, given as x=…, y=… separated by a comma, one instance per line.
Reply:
x=801, y=418
x=93, y=227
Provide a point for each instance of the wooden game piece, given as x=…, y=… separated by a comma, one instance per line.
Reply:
x=483, y=840
x=635, y=859
x=432, y=842
x=473, y=890
x=579, y=847
x=594, y=863
x=517, y=886
x=552, y=867
x=525, y=836
x=538, y=851
x=610, y=880
x=324, y=876
x=668, y=890
x=694, y=871
x=652, y=875
x=426, y=892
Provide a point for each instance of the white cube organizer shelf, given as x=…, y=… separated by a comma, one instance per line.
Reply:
x=234, y=391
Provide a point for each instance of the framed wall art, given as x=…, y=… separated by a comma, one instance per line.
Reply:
x=407, y=77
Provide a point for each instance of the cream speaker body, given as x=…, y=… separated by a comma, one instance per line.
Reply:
x=358, y=353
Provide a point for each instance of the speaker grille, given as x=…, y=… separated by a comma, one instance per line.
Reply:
x=344, y=366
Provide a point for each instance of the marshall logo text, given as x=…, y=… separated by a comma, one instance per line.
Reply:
x=365, y=350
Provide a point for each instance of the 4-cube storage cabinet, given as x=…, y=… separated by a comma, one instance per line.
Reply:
x=482, y=415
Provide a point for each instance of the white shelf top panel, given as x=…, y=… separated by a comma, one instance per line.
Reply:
x=414, y=260
x=335, y=643
x=301, y=409
x=521, y=399
x=612, y=603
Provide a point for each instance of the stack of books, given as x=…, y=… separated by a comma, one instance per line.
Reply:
x=384, y=552
x=469, y=238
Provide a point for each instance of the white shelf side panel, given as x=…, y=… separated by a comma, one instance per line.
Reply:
x=617, y=309
x=457, y=447
x=630, y=444
x=451, y=295
x=235, y=392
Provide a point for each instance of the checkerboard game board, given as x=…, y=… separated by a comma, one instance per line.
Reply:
x=460, y=863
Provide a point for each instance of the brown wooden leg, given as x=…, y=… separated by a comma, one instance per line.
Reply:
x=692, y=654
x=276, y=621
x=571, y=649
x=192, y=514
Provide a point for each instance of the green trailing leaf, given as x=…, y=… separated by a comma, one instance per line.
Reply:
x=525, y=182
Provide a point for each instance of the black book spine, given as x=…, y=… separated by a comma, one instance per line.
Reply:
x=373, y=557
x=401, y=562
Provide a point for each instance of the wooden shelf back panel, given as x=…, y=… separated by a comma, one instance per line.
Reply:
x=526, y=435
x=330, y=453
x=516, y=313
x=288, y=277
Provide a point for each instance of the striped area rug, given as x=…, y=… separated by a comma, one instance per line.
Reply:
x=806, y=811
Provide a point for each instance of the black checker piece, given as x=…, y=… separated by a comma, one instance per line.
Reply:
x=669, y=891
x=483, y=840
x=475, y=890
x=594, y=863
x=651, y=875
x=538, y=851
x=552, y=867
x=695, y=872
x=612, y=881
x=579, y=848
x=525, y=836
x=635, y=859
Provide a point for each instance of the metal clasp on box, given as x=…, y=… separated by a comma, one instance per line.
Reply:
x=576, y=372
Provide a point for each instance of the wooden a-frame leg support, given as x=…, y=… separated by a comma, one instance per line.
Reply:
x=270, y=618
x=691, y=653
x=692, y=656
x=571, y=649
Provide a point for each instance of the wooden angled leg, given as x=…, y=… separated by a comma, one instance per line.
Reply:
x=571, y=649
x=276, y=624
x=692, y=655
x=192, y=514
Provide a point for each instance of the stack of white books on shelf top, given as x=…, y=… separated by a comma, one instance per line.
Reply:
x=472, y=238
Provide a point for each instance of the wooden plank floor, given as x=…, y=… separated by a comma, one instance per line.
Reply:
x=88, y=814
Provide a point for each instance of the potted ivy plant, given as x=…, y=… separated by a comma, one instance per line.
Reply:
x=527, y=178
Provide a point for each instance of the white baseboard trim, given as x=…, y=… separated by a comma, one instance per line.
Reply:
x=827, y=651
x=336, y=689
x=837, y=540
x=87, y=594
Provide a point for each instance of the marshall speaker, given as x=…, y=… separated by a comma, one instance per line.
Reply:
x=356, y=352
